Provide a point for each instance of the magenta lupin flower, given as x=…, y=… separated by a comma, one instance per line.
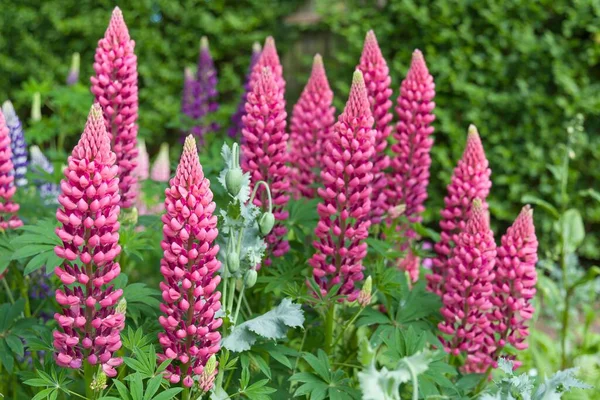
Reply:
x=264, y=154
x=115, y=88
x=514, y=286
x=8, y=208
x=377, y=81
x=470, y=180
x=312, y=120
x=467, y=292
x=344, y=212
x=89, y=325
x=411, y=160
x=189, y=266
x=268, y=59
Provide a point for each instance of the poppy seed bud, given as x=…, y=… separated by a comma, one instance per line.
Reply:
x=266, y=222
x=250, y=278
x=233, y=180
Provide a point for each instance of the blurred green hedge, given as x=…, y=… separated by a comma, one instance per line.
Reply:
x=518, y=69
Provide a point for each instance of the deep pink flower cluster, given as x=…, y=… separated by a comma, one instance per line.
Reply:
x=377, y=81
x=264, y=152
x=470, y=180
x=312, y=120
x=189, y=267
x=514, y=286
x=115, y=88
x=467, y=293
x=268, y=59
x=89, y=325
x=411, y=160
x=8, y=208
x=344, y=212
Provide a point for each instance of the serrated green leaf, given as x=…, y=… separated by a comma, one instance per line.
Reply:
x=16, y=345
x=168, y=394
x=6, y=356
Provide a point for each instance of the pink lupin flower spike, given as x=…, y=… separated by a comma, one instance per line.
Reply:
x=470, y=180
x=377, y=81
x=115, y=88
x=467, y=292
x=264, y=154
x=312, y=120
x=189, y=267
x=268, y=59
x=8, y=208
x=344, y=212
x=89, y=325
x=516, y=277
x=411, y=160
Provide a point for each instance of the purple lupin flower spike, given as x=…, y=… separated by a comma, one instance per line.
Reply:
x=187, y=99
x=17, y=143
x=48, y=191
x=236, y=119
x=73, y=76
x=205, y=92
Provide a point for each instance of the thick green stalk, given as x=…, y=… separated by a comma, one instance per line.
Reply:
x=329, y=328
x=88, y=371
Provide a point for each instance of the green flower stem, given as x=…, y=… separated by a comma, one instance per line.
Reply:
x=329, y=328
x=88, y=371
x=239, y=303
x=8, y=291
x=348, y=324
x=268, y=193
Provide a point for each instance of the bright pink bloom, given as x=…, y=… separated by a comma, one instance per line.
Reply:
x=264, y=154
x=189, y=266
x=89, y=325
x=344, y=212
x=312, y=120
x=411, y=160
x=269, y=59
x=161, y=169
x=115, y=88
x=470, y=180
x=8, y=208
x=514, y=286
x=467, y=292
x=377, y=80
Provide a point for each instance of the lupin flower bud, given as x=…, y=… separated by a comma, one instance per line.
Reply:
x=377, y=81
x=189, y=266
x=17, y=143
x=49, y=192
x=8, y=209
x=470, y=180
x=89, y=326
x=36, y=107
x=99, y=382
x=265, y=153
x=514, y=286
x=364, y=296
x=205, y=92
x=467, y=290
x=116, y=89
x=344, y=211
x=73, y=76
x=161, y=169
x=236, y=119
x=207, y=377
x=312, y=120
x=411, y=160
x=250, y=278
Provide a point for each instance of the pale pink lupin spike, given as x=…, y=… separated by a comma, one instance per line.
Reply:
x=268, y=59
x=470, y=180
x=161, y=169
x=90, y=323
x=265, y=155
x=377, y=81
x=344, y=211
x=8, y=208
x=312, y=121
x=116, y=90
x=189, y=266
x=467, y=293
x=514, y=286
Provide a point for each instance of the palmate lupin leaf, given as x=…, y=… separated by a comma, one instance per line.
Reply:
x=37, y=244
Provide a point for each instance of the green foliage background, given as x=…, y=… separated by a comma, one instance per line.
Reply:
x=518, y=69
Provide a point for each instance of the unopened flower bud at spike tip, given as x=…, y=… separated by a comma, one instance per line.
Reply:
x=190, y=143
x=36, y=107
x=256, y=47
x=473, y=130
x=203, y=42
x=357, y=78
x=318, y=60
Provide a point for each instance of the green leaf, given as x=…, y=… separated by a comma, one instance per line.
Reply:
x=16, y=345
x=168, y=394
x=319, y=364
x=572, y=230
x=261, y=364
x=44, y=394
x=271, y=325
x=136, y=386
x=6, y=356
x=123, y=392
x=152, y=387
